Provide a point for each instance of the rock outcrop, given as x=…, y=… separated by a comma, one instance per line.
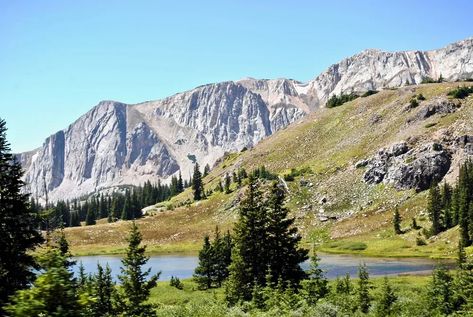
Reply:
x=406, y=168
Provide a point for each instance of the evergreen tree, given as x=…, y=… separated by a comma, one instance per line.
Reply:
x=282, y=241
x=227, y=181
x=264, y=237
x=364, y=298
x=135, y=287
x=440, y=291
x=344, y=285
x=204, y=272
x=90, y=218
x=446, y=195
x=19, y=224
x=197, y=185
x=75, y=221
x=127, y=212
x=103, y=292
x=434, y=209
x=249, y=261
x=461, y=259
x=397, y=221
x=180, y=185
x=53, y=293
x=316, y=287
x=386, y=300
x=222, y=250
x=206, y=170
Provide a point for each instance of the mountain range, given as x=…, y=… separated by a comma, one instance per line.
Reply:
x=122, y=144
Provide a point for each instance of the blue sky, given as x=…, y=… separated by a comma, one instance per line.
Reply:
x=60, y=58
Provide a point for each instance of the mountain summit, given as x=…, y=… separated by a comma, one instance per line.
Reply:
x=119, y=144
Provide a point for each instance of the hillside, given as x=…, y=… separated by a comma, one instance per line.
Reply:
x=337, y=202
x=127, y=144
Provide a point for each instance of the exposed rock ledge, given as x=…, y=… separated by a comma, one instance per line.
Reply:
x=406, y=168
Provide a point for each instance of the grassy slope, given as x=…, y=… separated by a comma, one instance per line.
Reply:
x=328, y=142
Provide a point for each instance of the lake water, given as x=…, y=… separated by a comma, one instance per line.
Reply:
x=183, y=266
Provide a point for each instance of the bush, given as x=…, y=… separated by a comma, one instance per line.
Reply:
x=369, y=93
x=413, y=103
x=428, y=80
x=336, y=101
x=461, y=92
x=176, y=282
x=430, y=125
x=420, y=97
x=420, y=241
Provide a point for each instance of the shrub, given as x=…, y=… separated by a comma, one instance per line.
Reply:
x=413, y=103
x=461, y=92
x=176, y=282
x=420, y=241
x=427, y=80
x=420, y=97
x=369, y=93
x=336, y=101
x=430, y=125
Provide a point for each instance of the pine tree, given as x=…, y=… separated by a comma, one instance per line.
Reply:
x=227, y=181
x=249, y=261
x=263, y=237
x=440, y=291
x=197, y=185
x=90, y=218
x=446, y=195
x=19, y=224
x=103, y=292
x=461, y=259
x=206, y=170
x=222, y=250
x=136, y=286
x=53, y=293
x=397, y=222
x=316, y=286
x=127, y=212
x=204, y=272
x=386, y=300
x=344, y=285
x=364, y=298
x=434, y=209
x=180, y=185
x=282, y=242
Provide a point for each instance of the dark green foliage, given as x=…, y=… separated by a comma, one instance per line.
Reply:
x=461, y=92
x=414, y=224
x=74, y=221
x=413, y=103
x=336, y=101
x=206, y=170
x=461, y=258
x=440, y=292
x=90, y=218
x=262, y=173
x=296, y=172
x=386, y=300
x=214, y=260
x=369, y=93
x=176, y=282
x=316, y=286
x=19, y=224
x=364, y=298
x=197, y=185
x=264, y=238
x=103, y=291
x=420, y=241
x=53, y=293
x=205, y=270
x=227, y=182
x=420, y=97
x=344, y=285
x=135, y=284
x=397, y=222
x=428, y=80
x=434, y=209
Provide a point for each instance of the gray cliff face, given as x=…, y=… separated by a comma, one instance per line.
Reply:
x=118, y=144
